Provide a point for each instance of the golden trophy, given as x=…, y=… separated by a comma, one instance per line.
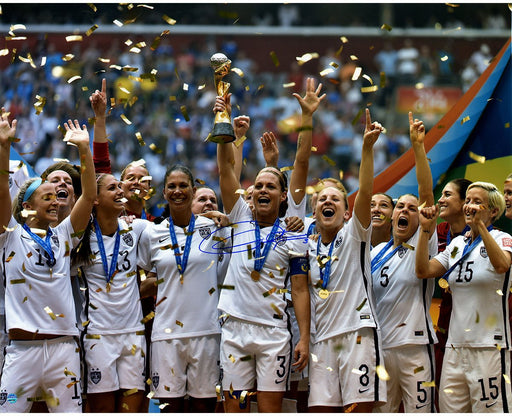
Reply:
x=222, y=129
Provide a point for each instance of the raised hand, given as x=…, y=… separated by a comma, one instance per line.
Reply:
x=416, y=130
x=372, y=130
x=222, y=104
x=98, y=100
x=270, y=149
x=75, y=135
x=311, y=100
x=241, y=124
x=7, y=130
x=428, y=217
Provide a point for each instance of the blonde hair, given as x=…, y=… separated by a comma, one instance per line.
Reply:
x=509, y=178
x=17, y=203
x=496, y=198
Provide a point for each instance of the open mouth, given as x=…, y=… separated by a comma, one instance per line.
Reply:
x=62, y=194
x=328, y=212
x=263, y=200
x=402, y=222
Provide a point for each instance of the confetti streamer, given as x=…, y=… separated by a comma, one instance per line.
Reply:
x=386, y=27
x=74, y=38
x=478, y=158
x=274, y=58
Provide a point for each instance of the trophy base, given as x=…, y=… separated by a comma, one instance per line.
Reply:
x=222, y=133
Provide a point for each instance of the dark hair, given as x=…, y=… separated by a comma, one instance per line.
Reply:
x=388, y=197
x=462, y=186
x=71, y=170
x=180, y=168
x=283, y=182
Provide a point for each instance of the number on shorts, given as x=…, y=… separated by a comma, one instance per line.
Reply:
x=422, y=392
x=75, y=387
x=493, y=389
x=364, y=380
x=282, y=361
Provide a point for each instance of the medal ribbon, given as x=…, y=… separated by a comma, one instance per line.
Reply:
x=259, y=260
x=113, y=263
x=468, y=248
x=44, y=244
x=378, y=261
x=449, y=235
x=181, y=262
x=325, y=272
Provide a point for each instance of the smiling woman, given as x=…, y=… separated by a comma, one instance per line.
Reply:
x=40, y=313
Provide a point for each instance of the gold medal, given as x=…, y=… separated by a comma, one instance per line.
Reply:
x=255, y=275
x=323, y=293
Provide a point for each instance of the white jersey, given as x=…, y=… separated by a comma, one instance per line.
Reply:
x=403, y=300
x=188, y=307
x=38, y=298
x=261, y=301
x=295, y=210
x=116, y=308
x=480, y=295
x=349, y=305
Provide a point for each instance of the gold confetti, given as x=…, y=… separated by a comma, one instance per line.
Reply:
x=372, y=88
x=386, y=27
x=232, y=358
x=358, y=341
x=382, y=373
x=211, y=291
x=169, y=20
x=326, y=71
x=357, y=73
x=418, y=369
x=269, y=292
x=368, y=78
x=361, y=305
x=154, y=148
x=49, y=311
x=507, y=379
x=408, y=247
x=238, y=71
x=125, y=119
x=227, y=287
x=184, y=111
x=276, y=310
x=274, y=58
x=289, y=85
x=478, y=158
x=72, y=79
x=9, y=258
x=329, y=160
x=428, y=384
x=16, y=281
x=4, y=52
x=74, y=38
x=464, y=120
x=148, y=317
x=246, y=358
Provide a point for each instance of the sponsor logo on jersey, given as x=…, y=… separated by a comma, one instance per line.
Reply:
x=338, y=242
x=279, y=381
x=204, y=232
x=161, y=240
x=95, y=376
x=128, y=239
x=155, y=379
x=483, y=252
x=419, y=406
x=12, y=398
x=487, y=405
x=506, y=242
x=363, y=390
x=3, y=398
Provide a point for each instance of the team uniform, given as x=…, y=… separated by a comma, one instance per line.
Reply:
x=256, y=306
x=186, y=331
x=346, y=349
x=113, y=336
x=403, y=311
x=38, y=299
x=476, y=359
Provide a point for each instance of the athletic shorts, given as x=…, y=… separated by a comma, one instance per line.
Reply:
x=4, y=340
x=185, y=366
x=43, y=369
x=472, y=381
x=342, y=370
x=115, y=362
x=251, y=353
x=411, y=373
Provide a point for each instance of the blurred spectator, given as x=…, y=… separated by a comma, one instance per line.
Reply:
x=407, y=68
x=427, y=70
x=386, y=61
x=481, y=58
x=288, y=15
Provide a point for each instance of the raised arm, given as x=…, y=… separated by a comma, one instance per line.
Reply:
x=7, y=132
x=423, y=173
x=81, y=212
x=240, y=126
x=308, y=104
x=270, y=149
x=362, y=203
x=101, y=157
x=426, y=268
x=228, y=179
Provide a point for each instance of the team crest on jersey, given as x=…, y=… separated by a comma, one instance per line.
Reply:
x=483, y=252
x=280, y=239
x=401, y=251
x=338, y=242
x=128, y=239
x=3, y=398
x=155, y=379
x=55, y=241
x=95, y=376
x=204, y=232
x=507, y=242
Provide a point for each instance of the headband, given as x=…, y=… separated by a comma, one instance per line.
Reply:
x=32, y=187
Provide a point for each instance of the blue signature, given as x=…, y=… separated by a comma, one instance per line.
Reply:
x=219, y=246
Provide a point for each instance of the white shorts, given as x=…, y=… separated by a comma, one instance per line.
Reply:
x=251, y=352
x=185, y=366
x=115, y=362
x=342, y=370
x=46, y=369
x=409, y=368
x=472, y=381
